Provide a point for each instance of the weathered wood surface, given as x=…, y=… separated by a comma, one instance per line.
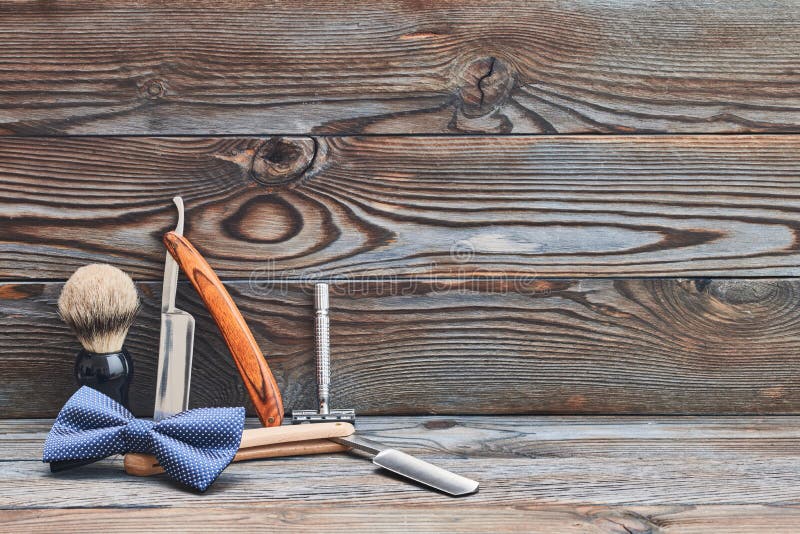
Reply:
x=546, y=346
x=452, y=250
x=537, y=474
x=396, y=207
x=391, y=517
x=112, y=67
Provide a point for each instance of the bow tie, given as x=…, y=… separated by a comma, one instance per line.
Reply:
x=193, y=447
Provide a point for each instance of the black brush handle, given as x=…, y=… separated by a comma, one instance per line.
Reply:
x=108, y=373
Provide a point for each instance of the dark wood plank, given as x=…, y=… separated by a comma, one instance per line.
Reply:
x=548, y=346
x=396, y=207
x=645, y=473
x=236, y=66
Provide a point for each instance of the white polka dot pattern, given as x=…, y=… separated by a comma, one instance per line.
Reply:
x=193, y=447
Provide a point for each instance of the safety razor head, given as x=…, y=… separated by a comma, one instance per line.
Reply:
x=310, y=416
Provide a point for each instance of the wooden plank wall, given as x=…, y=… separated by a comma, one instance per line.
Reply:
x=584, y=207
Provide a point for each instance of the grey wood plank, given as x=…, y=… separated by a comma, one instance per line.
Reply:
x=236, y=66
x=731, y=438
x=757, y=470
x=399, y=207
x=594, y=346
x=453, y=518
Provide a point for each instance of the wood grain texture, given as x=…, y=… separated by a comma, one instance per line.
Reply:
x=397, y=207
x=452, y=518
x=589, y=346
x=572, y=474
x=236, y=66
x=726, y=438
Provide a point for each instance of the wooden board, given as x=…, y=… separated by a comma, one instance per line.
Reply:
x=588, y=346
x=235, y=66
x=537, y=474
x=483, y=260
x=450, y=517
x=395, y=207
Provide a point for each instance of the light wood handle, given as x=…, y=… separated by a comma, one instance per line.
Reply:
x=297, y=448
x=253, y=368
x=143, y=465
x=290, y=440
x=257, y=437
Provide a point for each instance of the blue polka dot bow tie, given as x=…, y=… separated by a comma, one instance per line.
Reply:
x=193, y=447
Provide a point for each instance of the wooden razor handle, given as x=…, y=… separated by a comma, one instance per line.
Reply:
x=258, y=437
x=144, y=465
x=295, y=440
x=249, y=360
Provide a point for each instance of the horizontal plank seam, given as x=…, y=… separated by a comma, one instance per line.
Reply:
x=652, y=417
x=620, y=504
x=403, y=280
x=256, y=135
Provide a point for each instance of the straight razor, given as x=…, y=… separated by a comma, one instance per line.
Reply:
x=176, y=344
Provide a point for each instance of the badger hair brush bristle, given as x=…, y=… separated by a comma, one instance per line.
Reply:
x=99, y=303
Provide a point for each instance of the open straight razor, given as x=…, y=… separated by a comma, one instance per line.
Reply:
x=177, y=342
x=250, y=362
x=175, y=356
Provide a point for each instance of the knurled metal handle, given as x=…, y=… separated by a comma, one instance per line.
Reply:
x=323, y=346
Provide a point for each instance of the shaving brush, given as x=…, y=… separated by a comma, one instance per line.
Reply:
x=99, y=303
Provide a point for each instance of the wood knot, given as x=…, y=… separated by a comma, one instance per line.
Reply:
x=282, y=160
x=440, y=424
x=153, y=89
x=741, y=291
x=484, y=85
x=622, y=521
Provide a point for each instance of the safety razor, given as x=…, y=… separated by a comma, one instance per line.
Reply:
x=323, y=351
